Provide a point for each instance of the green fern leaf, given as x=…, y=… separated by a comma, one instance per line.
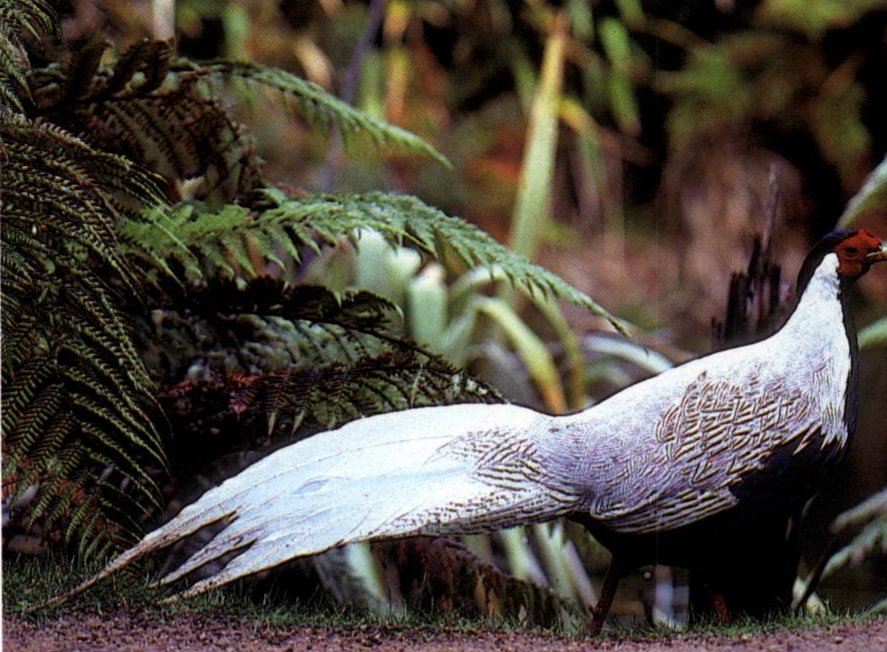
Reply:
x=17, y=19
x=218, y=237
x=77, y=398
x=317, y=106
x=318, y=357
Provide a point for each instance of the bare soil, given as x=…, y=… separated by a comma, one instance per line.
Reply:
x=182, y=633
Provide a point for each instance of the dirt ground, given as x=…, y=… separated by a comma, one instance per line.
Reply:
x=142, y=633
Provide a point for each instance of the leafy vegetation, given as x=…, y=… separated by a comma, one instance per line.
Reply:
x=140, y=247
x=167, y=308
x=869, y=518
x=78, y=398
x=226, y=238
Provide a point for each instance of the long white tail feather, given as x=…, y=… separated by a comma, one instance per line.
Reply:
x=663, y=454
x=427, y=471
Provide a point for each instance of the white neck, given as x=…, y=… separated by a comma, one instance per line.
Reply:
x=817, y=333
x=820, y=304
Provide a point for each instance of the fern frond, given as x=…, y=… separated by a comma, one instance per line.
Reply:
x=406, y=220
x=118, y=422
x=335, y=393
x=32, y=423
x=81, y=516
x=143, y=110
x=266, y=325
x=63, y=502
x=31, y=16
x=313, y=357
x=221, y=239
x=71, y=186
x=317, y=106
x=13, y=82
x=868, y=523
x=77, y=397
x=21, y=384
x=268, y=297
x=18, y=19
x=165, y=112
x=82, y=70
x=60, y=429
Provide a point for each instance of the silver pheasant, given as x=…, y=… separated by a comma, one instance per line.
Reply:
x=674, y=468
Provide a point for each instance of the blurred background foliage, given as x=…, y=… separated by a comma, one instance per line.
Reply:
x=631, y=147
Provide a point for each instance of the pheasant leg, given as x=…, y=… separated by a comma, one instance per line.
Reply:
x=608, y=592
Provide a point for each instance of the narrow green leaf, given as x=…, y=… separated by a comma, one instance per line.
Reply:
x=427, y=306
x=617, y=46
x=531, y=349
x=872, y=196
x=537, y=170
x=874, y=334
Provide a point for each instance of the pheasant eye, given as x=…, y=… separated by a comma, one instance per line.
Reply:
x=851, y=250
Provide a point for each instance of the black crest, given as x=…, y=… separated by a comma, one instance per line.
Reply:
x=825, y=246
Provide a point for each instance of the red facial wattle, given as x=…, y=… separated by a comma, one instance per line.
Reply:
x=858, y=252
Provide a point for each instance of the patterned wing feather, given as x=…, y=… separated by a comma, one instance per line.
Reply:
x=707, y=447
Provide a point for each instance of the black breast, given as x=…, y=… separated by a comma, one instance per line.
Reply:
x=789, y=476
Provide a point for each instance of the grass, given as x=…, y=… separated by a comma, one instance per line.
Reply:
x=776, y=623
x=29, y=581
x=741, y=628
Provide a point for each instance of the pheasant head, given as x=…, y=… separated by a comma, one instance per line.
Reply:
x=856, y=249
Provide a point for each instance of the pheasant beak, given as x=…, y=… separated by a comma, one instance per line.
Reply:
x=876, y=256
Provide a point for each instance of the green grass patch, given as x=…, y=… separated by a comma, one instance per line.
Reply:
x=743, y=626
x=29, y=581
x=777, y=623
